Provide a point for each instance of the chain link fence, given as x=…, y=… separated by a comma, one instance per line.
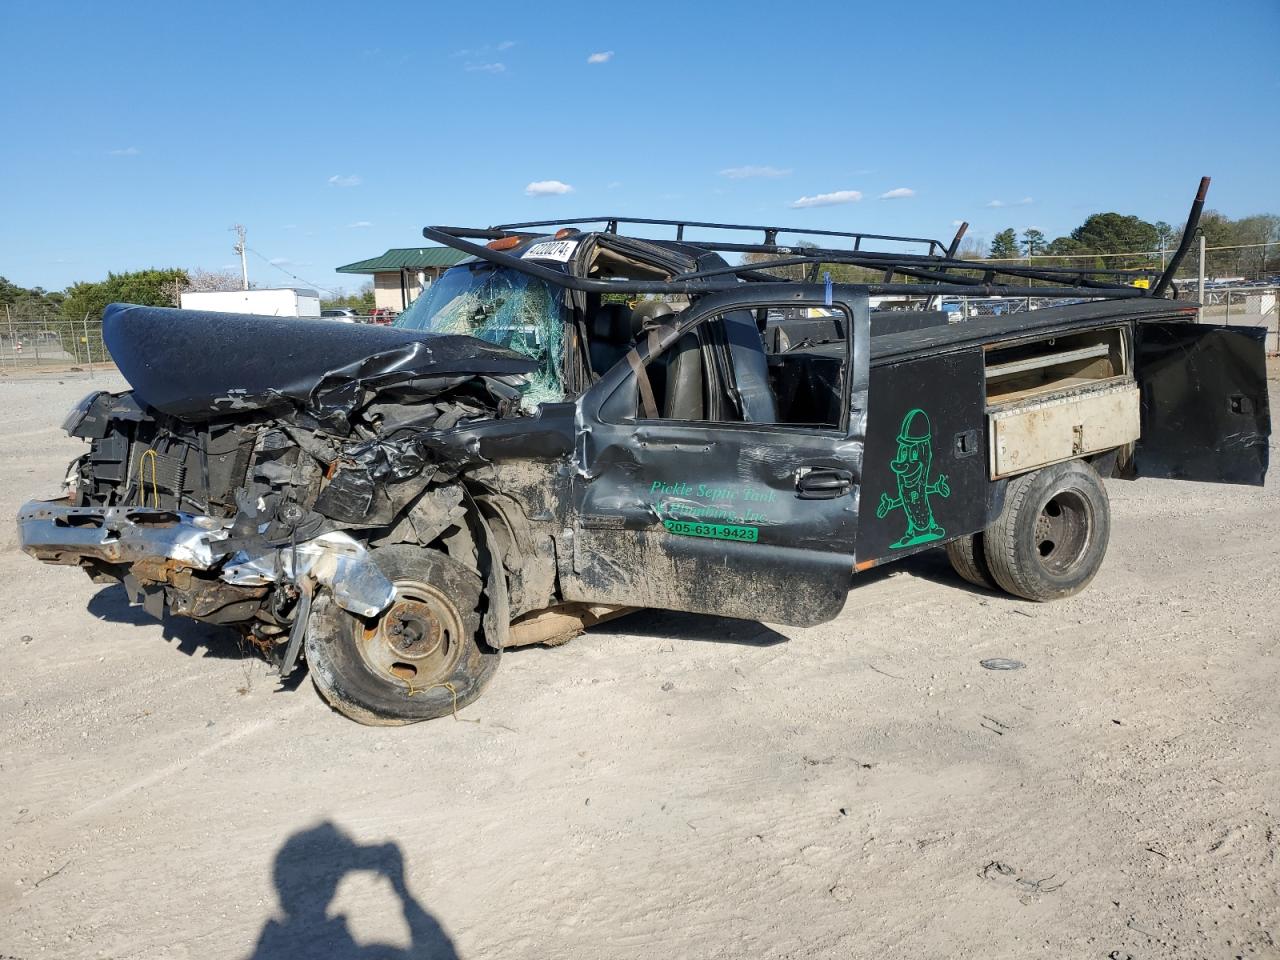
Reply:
x=46, y=339
x=1247, y=305
x=1244, y=306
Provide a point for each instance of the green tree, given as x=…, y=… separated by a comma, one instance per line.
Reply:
x=24, y=300
x=152, y=288
x=1116, y=233
x=1004, y=245
x=1258, y=237
x=1166, y=235
x=1033, y=241
x=361, y=301
x=1064, y=247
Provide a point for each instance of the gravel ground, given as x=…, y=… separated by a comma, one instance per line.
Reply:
x=668, y=785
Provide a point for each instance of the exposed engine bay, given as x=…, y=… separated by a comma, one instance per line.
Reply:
x=233, y=503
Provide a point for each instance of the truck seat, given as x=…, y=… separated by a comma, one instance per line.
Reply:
x=612, y=334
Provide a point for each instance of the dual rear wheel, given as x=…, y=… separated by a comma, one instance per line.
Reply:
x=1048, y=541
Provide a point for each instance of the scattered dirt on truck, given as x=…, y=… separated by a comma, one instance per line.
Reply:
x=668, y=783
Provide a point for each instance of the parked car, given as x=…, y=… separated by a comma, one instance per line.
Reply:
x=345, y=314
x=527, y=453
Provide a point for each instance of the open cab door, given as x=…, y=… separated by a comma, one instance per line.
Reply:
x=1205, y=414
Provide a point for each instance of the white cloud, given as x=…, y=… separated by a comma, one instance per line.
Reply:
x=547, y=188
x=125, y=152
x=361, y=223
x=827, y=199
x=613, y=185
x=996, y=203
x=337, y=180
x=1025, y=201
x=742, y=173
x=604, y=56
x=957, y=223
x=486, y=67
x=484, y=51
x=898, y=193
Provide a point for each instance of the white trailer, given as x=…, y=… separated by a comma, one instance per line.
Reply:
x=276, y=302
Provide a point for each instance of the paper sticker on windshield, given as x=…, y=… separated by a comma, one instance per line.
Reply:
x=559, y=250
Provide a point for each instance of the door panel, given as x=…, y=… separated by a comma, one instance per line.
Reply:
x=926, y=469
x=1205, y=413
x=715, y=517
x=671, y=518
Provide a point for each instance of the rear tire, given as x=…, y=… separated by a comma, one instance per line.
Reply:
x=970, y=562
x=1051, y=536
x=420, y=659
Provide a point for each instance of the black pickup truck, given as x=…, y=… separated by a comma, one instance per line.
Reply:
x=577, y=422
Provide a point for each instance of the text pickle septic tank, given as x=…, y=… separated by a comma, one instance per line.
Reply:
x=682, y=500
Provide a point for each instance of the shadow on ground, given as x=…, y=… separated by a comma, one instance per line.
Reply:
x=192, y=636
x=307, y=871
x=930, y=565
x=671, y=625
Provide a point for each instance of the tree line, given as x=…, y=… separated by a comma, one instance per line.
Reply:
x=1125, y=241
x=1103, y=240
x=152, y=288
x=1106, y=241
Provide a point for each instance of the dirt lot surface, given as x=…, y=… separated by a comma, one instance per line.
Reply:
x=667, y=785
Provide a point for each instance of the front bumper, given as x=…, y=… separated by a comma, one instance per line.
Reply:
x=53, y=531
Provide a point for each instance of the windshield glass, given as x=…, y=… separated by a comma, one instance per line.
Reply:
x=502, y=306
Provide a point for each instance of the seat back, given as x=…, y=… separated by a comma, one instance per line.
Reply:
x=684, y=397
x=611, y=335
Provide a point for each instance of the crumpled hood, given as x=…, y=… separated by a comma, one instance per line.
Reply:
x=198, y=364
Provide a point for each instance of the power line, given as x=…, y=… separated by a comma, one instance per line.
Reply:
x=1135, y=253
x=290, y=274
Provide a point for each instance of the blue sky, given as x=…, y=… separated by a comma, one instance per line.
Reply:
x=138, y=133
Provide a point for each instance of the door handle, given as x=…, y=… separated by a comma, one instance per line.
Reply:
x=823, y=483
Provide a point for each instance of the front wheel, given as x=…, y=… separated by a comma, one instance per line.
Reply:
x=1051, y=535
x=420, y=659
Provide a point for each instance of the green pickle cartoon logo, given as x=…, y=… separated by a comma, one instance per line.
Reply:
x=912, y=466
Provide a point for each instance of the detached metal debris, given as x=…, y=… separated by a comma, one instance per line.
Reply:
x=577, y=422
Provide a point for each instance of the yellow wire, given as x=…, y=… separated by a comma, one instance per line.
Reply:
x=142, y=484
x=448, y=686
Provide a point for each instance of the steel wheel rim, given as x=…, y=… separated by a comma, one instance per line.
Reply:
x=417, y=642
x=1063, y=532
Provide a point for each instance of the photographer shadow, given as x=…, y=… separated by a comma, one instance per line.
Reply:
x=307, y=871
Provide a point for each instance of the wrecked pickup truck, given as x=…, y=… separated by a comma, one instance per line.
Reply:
x=577, y=422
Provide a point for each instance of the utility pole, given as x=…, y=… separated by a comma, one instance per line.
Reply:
x=244, y=263
x=1200, y=278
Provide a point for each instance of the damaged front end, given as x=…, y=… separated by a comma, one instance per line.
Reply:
x=257, y=461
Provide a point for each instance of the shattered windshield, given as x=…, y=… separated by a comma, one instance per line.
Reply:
x=502, y=306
